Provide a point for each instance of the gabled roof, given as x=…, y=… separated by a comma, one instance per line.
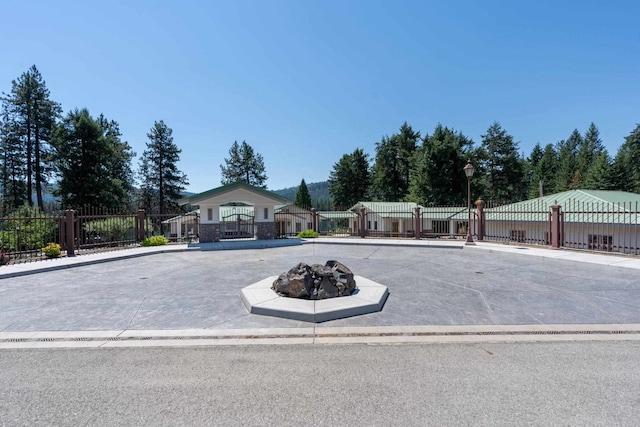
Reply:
x=387, y=209
x=239, y=188
x=336, y=214
x=588, y=206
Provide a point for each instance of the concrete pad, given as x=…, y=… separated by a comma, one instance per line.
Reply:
x=259, y=298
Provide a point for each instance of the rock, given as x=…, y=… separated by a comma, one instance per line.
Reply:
x=317, y=281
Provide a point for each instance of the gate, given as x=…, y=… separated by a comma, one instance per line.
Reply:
x=237, y=226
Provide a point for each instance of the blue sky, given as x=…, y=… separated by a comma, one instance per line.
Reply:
x=305, y=81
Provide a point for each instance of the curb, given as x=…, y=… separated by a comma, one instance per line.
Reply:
x=320, y=335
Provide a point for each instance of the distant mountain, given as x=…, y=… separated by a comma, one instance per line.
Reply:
x=319, y=191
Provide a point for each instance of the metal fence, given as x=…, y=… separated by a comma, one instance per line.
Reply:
x=24, y=232
x=291, y=220
x=525, y=222
x=604, y=227
x=598, y=227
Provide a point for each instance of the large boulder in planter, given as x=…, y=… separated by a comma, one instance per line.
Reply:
x=316, y=281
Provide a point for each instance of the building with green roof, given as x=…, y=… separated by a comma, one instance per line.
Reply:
x=590, y=219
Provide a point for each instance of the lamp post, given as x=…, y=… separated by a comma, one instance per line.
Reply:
x=468, y=171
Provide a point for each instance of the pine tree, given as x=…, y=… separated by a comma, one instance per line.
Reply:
x=12, y=164
x=599, y=173
x=567, y=174
x=531, y=166
x=437, y=176
x=393, y=164
x=625, y=170
x=118, y=164
x=589, y=149
x=544, y=173
x=303, y=198
x=34, y=114
x=93, y=163
x=245, y=165
x=350, y=180
x=503, y=167
x=162, y=181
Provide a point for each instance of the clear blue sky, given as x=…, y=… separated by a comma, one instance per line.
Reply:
x=307, y=81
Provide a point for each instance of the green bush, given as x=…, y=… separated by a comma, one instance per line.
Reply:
x=52, y=250
x=308, y=234
x=26, y=229
x=154, y=241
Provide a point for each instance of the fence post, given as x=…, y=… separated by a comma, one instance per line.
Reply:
x=314, y=219
x=555, y=226
x=480, y=211
x=141, y=231
x=417, y=223
x=70, y=238
x=362, y=221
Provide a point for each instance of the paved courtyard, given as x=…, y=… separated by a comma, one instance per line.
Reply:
x=428, y=285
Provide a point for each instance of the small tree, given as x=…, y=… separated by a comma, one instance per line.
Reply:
x=303, y=198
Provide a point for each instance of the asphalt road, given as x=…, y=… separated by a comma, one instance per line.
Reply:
x=574, y=383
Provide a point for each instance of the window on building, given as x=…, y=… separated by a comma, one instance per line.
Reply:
x=266, y=213
x=599, y=242
x=210, y=214
x=298, y=227
x=309, y=226
x=375, y=225
x=518, y=235
x=368, y=225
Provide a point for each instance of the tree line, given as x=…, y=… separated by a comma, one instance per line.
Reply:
x=81, y=159
x=429, y=169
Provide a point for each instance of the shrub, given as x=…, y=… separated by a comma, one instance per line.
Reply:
x=26, y=229
x=52, y=250
x=307, y=234
x=154, y=241
x=4, y=258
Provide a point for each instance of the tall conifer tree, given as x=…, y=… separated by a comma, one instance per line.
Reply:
x=162, y=181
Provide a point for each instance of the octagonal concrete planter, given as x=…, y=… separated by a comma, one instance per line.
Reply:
x=259, y=298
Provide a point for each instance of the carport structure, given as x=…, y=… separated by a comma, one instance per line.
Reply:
x=214, y=225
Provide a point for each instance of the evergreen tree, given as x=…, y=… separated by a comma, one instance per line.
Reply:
x=93, y=163
x=502, y=167
x=34, y=114
x=393, y=164
x=303, y=198
x=12, y=166
x=625, y=171
x=350, y=180
x=589, y=149
x=599, y=173
x=245, y=165
x=531, y=166
x=118, y=163
x=544, y=173
x=162, y=181
x=437, y=176
x=567, y=174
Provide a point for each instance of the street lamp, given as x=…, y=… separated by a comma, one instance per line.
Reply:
x=468, y=171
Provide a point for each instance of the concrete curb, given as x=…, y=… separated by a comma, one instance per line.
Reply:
x=321, y=335
x=17, y=270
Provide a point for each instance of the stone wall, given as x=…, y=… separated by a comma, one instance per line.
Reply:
x=265, y=230
x=209, y=233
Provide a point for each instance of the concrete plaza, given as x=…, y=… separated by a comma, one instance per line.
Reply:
x=430, y=284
